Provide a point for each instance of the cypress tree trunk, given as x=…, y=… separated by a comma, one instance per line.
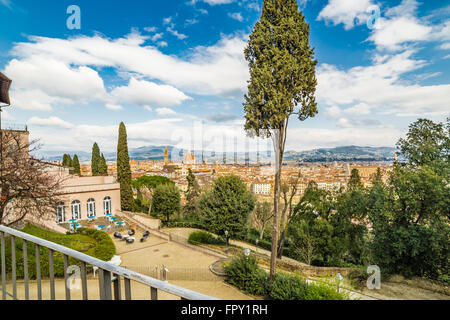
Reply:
x=279, y=142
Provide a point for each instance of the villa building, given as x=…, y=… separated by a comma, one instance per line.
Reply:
x=87, y=197
x=81, y=197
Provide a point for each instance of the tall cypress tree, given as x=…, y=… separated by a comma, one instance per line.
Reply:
x=95, y=161
x=67, y=160
x=103, y=167
x=282, y=83
x=76, y=165
x=124, y=170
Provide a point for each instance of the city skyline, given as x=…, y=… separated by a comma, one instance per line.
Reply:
x=175, y=72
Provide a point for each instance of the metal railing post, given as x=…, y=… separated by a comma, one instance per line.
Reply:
x=38, y=271
x=13, y=266
x=51, y=271
x=3, y=267
x=25, y=268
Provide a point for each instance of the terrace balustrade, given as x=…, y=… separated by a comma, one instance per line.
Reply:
x=109, y=275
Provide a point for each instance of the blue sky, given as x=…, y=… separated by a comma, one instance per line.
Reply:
x=174, y=71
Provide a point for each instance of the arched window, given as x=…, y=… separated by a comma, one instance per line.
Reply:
x=76, y=209
x=60, y=213
x=107, y=205
x=91, y=208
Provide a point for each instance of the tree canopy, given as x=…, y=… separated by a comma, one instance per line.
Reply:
x=227, y=206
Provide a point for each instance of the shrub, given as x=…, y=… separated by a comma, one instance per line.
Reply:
x=246, y=275
x=88, y=241
x=287, y=287
x=203, y=237
x=293, y=287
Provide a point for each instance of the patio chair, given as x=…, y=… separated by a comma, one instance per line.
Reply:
x=130, y=240
x=131, y=232
x=117, y=235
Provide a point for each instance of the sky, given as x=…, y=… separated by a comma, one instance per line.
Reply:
x=174, y=71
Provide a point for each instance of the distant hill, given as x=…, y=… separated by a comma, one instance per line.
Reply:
x=346, y=153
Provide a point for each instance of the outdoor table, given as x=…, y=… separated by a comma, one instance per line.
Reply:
x=120, y=224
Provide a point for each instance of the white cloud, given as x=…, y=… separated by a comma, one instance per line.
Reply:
x=35, y=100
x=347, y=12
x=395, y=29
x=165, y=112
x=216, y=2
x=236, y=16
x=157, y=36
x=150, y=29
x=56, y=78
x=114, y=107
x=394, y=33
x=359, y=109
x=6, y=3
x=187, y=134
x=190, y=22
x=174, y=32
x=49, y=122
x=219, y=69
x=6, y=115
x=380, y=87
x=162, y=44
x=141, y=92
x=445, y=46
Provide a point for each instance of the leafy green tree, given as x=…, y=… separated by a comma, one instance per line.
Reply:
x=76, y=165
x=410, y=216
x=192, y=194
x=227, y=206
x=354, y=182
x=124, y=170
x=282, y=83
x=95, y=160
x=166, y=200
x=313, y=240
x=426, y=142
x=150, y=182
x=262, y=215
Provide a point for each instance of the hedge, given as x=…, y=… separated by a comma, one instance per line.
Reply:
x=293, y=287
x=92, y=242
x=203, y=237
